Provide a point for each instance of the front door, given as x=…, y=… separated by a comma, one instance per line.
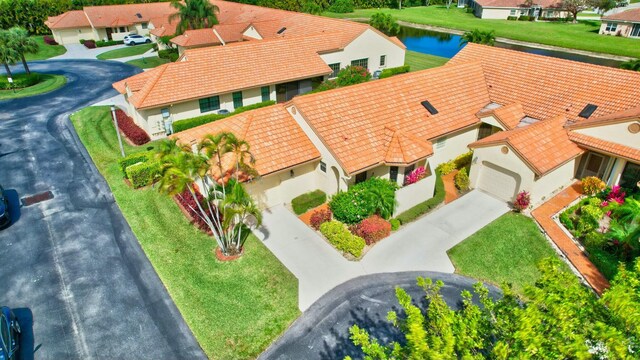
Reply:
x=109, y=31
x=595, y=165
x=635, y=31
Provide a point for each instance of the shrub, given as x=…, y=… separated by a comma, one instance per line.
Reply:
x=385, y=23
x=373, y=229
x=426, y=206
x=186, y=200
x=566, y=220
x=169, y=54
x=523, y=200
x=342, y=6
x=186, y=124
x=326, y=85
x=462, y=180
x=591, y=185
x=102, y=43
x=356, y=204
x=143, y=174
x=512, y=18
x=352, y=75
x=130, y=129
x=320, y=217
x=395, y=71
x=395, y=224
x=595, y=239
x=590, y=215
x=19, y=81
x=82, y=41
x=89, y=44
x=341, y=238
x=416, y=175
x=49, y=40
x=523, y=18
x=446, y=168
x=125, y=162
x=464, y=160
x=308, y=201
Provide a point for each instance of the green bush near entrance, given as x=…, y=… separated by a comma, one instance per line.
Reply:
x=304, y=202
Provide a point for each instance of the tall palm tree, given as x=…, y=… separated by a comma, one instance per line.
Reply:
x=8, y=55
x=230, y=157
x=23, y=44
x=194, y=14
x=478, y=37
x=238, y=209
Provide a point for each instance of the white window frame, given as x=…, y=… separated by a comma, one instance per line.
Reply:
x=513, y=12
x=611, y=27
x=383, y=60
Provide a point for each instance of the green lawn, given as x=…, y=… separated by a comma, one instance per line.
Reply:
x=48, y=83
x=507, y=250
x=148, y=62
x=45, y=51
x=420, y=61
x=235, y=309
x=126, y=51
x=583, y=35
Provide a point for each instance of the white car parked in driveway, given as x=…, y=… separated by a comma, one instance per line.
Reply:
x=135, y=39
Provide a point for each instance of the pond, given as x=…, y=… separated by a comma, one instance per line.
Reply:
x=447, y=45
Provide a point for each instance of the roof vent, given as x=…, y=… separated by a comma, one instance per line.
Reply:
x=281, y=30
x=139, y=15
x=427, y=105
x=588, y=110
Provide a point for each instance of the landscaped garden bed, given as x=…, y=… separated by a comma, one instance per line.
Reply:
x=29, y=85
x=606, y=223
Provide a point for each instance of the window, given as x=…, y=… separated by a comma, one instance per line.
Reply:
x=383, y=60
x=513, y=12
x=335, y=70
x=209, y=104
x=145, y=25
x=237, y=99
x=323, y=167
x=393, y=174
x=484, y=131
x=612, y=26
x=635, y=31
x=440, y=143
x=361, y=177
x=550, y=13
x=361, y=62
x=266, y=93
x=122, y=29
x=524, y=11
x=630, y=177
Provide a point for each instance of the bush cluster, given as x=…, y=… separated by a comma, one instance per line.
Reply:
x=522, y=202
x=338, y=235
x=395, y=71
x=416, y=175
x=301, y=204
x=462, y=180
x=426, y=206
x=169, y=54
x=89, y=44
x=320, y=217
x=19, y=81
x=372, y=229
x=446, y=168
x=592, y=185
x=143, y=174
x=356, y=204
x=103, y=43
x=464, y=160
x=130, y=129
x=526, y=18
x=342, y=6
x=512, y=18
x=132, y=159
x=49, y=40
x=182, y=125
x=395, y=224
x=186, y=200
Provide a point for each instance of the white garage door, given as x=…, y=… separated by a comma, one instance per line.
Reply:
x=498, y=181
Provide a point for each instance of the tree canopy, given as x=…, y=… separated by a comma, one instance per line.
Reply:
x=194, y=14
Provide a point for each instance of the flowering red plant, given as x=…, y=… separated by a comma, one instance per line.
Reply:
x=416, y=175
x=616, y=194
x=320, y=217
x=130, y=129
x=523, y=200
x=372, y=229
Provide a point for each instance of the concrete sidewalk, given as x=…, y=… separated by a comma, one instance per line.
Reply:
x=419, y=246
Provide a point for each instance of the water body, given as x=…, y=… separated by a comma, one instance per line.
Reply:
x=447, y=45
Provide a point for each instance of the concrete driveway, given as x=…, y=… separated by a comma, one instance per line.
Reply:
x=73, y=260
x=419, y=246
x=322, y=332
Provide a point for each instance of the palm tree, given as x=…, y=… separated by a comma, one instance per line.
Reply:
x=631, y=65
x=478, y=37
x=238, y=209
x=8, y=55
x=194, y=14
x=23, y=44
x=382, y=200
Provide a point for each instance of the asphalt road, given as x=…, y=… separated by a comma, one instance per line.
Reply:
x=73, y=260
x=322, y=332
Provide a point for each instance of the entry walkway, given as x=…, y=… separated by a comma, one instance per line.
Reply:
x=419, y=246
x=544, y=216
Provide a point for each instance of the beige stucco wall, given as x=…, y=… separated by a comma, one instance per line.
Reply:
x=617, y=133
x=252, y=33
x=411, y=195
x=492, y=13
x=282, y=187
x=509, y=161
x=454, y=144
x=623, y=29
x=504, y=13
x=73, y=36
x=551, y=183
x=369, y=45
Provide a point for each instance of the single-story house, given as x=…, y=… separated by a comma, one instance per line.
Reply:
x=625, y=23
x=504, y=9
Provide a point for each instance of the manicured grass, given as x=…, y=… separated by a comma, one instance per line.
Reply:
x=48, y=82
x=235, y=309
x=420, y=61
x=507, y=250
x=583, y=35
x=125, y=52
x=45, y=51
x=148, y=62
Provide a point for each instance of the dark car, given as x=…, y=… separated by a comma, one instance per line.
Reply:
x=5, y=217
x=9, y=334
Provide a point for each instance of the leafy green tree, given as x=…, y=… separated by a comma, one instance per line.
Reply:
x=478, y=37
x=631, y=65
x=194, y=14
x=8, y=54
x=558, y=318
x=342, y=6
x=23, y=44
x=311, y=7
x=385, y=23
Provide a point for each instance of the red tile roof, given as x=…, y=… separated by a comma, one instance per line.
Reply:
x=509, y=115
x=631, y=15
x=544, y=145
x=613, y=118
x=68, y=20
x=606, y=146
x=276, y=140
x=112, y=15
x=404, y=148
x=200, y=37
x=163, y=25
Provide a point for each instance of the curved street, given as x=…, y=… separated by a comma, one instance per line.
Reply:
x=73, y=260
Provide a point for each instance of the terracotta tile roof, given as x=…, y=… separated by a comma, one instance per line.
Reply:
x=397, y=41
x=508, y=115
x=198, y=75
x=519, y=3
x=547, y=86
x=200, y=37
x=404, y=148
x=544, y=145
x=276, y=140
x=112, y=15
x=70, y=19
x=606, y=146
x=137, y=82
x=631, y=15
x=620, y=116
x=163, y=26
x=352, y=121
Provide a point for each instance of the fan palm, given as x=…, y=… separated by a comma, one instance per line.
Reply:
x=382, y=200
x=194, y=14
x=8, y=54
x=478, y=37
x=23, y=44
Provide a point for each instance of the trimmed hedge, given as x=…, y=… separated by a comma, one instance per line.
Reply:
x=338, y=235
x=130, y=129
x=132, y=159
x=182, y=125
x=169, y=54
x=304, y=202
x=394, y=71
x=102, y=43
x=49, y=40
x=143, y=174
x=424, y=207
x=19, y=81
x=89, y=44
x=372, y=229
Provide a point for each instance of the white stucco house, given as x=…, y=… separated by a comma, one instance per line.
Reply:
x=504, y=9
x=625, y=23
